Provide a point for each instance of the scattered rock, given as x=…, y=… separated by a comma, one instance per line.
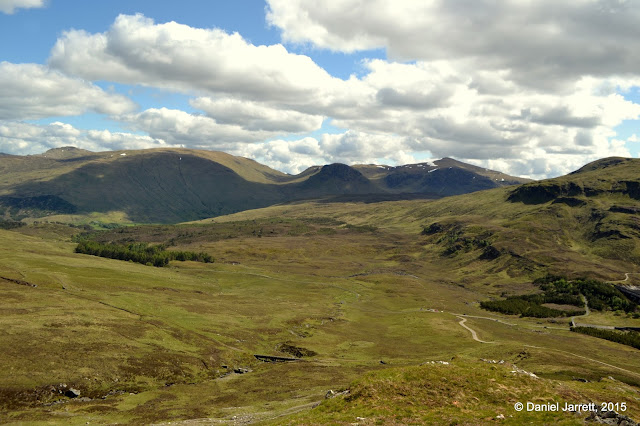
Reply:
x=72, y=393
x=490, y=361
x=269, y=358
x=610, y=418
x=295, y=351
x=521, y=371
x=113, y=392
x=332, y=394
x=500, y=417
x=382, y=362
x=241, y=370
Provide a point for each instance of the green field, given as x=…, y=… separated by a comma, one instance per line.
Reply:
x=370, y=297
x=161, y=343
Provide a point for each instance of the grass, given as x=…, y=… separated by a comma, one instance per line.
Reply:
x=159, y=337
x=462, y=391
x=355, y=283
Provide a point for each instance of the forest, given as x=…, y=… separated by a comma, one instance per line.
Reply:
x=151, y=255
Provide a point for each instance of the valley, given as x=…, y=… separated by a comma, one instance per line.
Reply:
x=379, y=301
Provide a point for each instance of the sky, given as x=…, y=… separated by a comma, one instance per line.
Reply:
x=529, y=88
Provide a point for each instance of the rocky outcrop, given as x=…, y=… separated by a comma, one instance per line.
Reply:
x=610, y=418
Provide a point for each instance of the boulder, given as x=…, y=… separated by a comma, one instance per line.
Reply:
x=72, y=393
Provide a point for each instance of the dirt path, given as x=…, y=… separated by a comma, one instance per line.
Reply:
x=633, y=373
x=626, y=277
x=586, y=311
x=486, y=318
x=473, y=332
x=475, y=337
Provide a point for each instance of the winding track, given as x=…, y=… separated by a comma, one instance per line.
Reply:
x=473, y=332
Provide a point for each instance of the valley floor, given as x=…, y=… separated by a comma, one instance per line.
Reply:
x=370, y=309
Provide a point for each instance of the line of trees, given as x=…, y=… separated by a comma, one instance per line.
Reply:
x=10, y=224
x=528, y=306
x=155, y=255
x=629, y=338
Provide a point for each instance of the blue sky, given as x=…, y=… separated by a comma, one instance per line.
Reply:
x=503, y=84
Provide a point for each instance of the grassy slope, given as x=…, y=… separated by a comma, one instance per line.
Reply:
x=588, y=239
x=465, y=391
x=296, y=274
x=17, y=169
x=350, y=296
x=172, y=185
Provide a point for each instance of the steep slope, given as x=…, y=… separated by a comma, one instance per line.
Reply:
x=607, y=176
x=160, y=187
x=441, y=177
x=334, y=179
x=174, y=185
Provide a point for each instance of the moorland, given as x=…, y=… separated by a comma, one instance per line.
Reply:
x=361, y=309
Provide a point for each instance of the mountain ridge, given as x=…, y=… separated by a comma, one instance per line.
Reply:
x=168, y=185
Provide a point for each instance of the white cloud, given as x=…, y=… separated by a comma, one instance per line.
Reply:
x=9, y=6
x=349, y=147
x=31, y=91
x=192, y=131
x=544, y=41
x=257, y=116
x=633, y=138
x=24, y=138
x=501, y=82
x=136, y=50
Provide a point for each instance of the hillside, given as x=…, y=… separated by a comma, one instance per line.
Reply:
x=442, y=177
x=174, y=185
x=581, y=224
x=460, y=391
x=378, y=302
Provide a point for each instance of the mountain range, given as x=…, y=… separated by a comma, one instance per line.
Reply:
x=176, y=185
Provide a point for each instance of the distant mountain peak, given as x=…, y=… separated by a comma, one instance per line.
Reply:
x=66, y=152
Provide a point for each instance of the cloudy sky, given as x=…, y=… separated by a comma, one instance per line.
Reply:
x=531, y=88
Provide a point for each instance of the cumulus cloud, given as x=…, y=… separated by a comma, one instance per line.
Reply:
x=544, y=41
x=542, y=163
x=190, y=130
x=31, y=91
x=257, y=116
x=136, y=50
x=10, y=6
x=25, y=138
x=349, y=147
x=504, y=121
